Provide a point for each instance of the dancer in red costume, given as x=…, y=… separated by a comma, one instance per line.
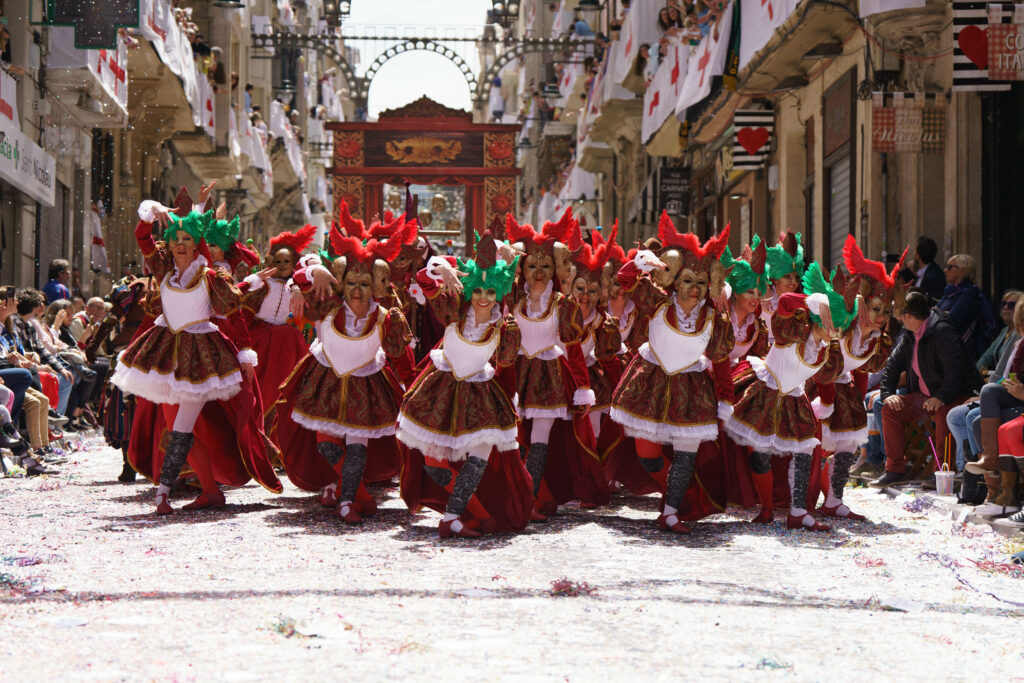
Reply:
x=267, y=298
x=865, y=347
x=667, y=395
x=553, y=383
x=746, y=286
x=773, y=415
x=785, y=270
x=197, y=375
x=601, y=341
x=458, y=423
x=343, y=391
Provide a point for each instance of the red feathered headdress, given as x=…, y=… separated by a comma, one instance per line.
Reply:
x=355, y=251
x=542, y=242
x=351, y=226
x=881, y=282
x=695, y=256
x=591, y=259
x=297, y=241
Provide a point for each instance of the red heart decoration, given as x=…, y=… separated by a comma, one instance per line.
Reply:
x=973, y=43
x=752, y=139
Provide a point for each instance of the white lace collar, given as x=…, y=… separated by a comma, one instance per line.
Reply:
x=355, y=326
x=686, y=323
x=545, y=299
x=737, y=326
x=473, y=332
x=181, y=280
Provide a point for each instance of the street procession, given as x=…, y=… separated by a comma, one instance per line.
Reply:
x=384, y=332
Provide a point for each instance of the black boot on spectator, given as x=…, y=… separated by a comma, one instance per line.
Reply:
x=889, y=479
x=973, y=491
x=127, y=475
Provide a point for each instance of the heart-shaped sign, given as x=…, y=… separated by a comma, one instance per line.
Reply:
x=752, y=139
x=973, y=43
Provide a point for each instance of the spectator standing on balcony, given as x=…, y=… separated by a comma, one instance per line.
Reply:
x=940, y=376
x=57, y=286
x=929, y=278
x=967, y=305
x=248, y=98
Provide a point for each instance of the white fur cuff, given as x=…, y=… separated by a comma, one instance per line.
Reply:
x=309, y=260
x=815, y=302
x=254, y=282
x=433, y=264
x=822, y=411
x=248, y=356
x=147, y=210
x=584, y=397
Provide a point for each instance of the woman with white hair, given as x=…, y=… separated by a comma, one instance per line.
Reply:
x=966, y=304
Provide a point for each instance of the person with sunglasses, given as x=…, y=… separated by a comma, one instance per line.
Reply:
x=967, y=305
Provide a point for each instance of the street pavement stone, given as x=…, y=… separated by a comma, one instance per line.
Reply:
x=93, y=586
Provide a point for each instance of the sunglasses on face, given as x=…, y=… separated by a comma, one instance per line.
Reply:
x=950, y=266
x=1008, y=305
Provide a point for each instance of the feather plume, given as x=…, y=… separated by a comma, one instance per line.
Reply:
x=297, y=241
x=351, y=226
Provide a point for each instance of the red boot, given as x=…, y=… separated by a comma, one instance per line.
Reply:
x=329, y=498
x=162, y=506
x=445, y=530
x=841, y=511
x=348, y=514
x=805, y=522
x=212, y=499
x=764, y=483
x=673, y=523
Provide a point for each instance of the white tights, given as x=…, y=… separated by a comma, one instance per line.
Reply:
x=541, y=430
x=187, y=415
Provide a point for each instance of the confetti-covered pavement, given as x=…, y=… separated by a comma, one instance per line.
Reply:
x=93, y=586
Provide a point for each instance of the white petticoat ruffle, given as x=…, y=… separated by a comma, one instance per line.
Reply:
x=553, y=413
x=159, y=388
x=771, y=443
x=682, y=437
x=584, y=397
x=843, y=442
x=453, y=448
x=765, y=375
x=340, y=431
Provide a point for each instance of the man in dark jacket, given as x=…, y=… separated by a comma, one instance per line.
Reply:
x=940, y=375
x=930, y=278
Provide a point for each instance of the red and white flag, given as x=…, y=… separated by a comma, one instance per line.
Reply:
x=663, y=92
x=706, y=62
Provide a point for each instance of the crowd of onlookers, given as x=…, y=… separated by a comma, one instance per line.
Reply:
x=47, y=384
x=951, y=390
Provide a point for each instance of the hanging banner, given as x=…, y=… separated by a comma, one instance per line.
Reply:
x=706, y=62
x=754, y=128
x=971, y=47
x=663, y=92
x=1006, y=44
x=908, y=122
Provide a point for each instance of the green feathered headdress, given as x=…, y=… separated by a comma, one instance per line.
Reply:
x=815, y=283
x=745, y=275
x=484, y=270
x=223, y=234
x=194, y=223
x=787, y=257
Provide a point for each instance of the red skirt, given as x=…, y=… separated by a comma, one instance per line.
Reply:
x=505, y=491
x=279, y=348
x=360, y=402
